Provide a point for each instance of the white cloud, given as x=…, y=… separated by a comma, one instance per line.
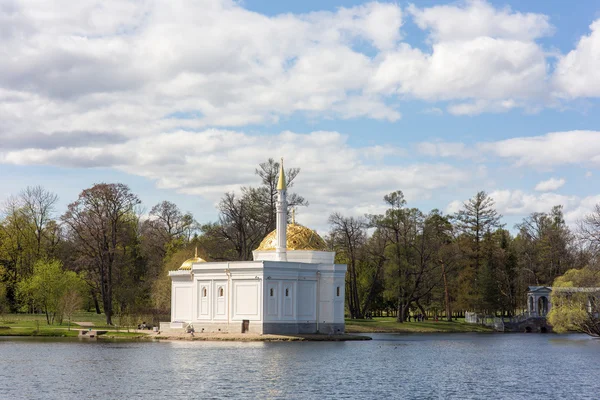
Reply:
x=480, y=54
x=550, y=150
x=138, y=68
x=550, y=185
x=125, y=66
x=334, y=177
x=577, y=74
x=480, y=106
x=433, y=111
x=445, y=149
x=520, y=204
x=479, y=18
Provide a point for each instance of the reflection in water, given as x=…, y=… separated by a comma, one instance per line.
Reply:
x=457, y=366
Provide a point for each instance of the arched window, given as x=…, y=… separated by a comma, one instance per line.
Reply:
x=221, y=292
x=337, y=291
x=542, y=306
x=287, y=292
x=271, y=292
x=204, y=292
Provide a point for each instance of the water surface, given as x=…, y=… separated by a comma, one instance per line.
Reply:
x=432, y=366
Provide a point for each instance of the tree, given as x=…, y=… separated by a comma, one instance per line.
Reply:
x=246, y=218
x=576, y=302
x=38, y=207
x=589, y=231
x=348, y=235
x=477, y=218
x=50, y=288
x=99, y=222
x=69, y=303
x=414, y=254
x=371, y=280
x=165, y=231
x=17, y=248
x=267, y=193
x=161, y=290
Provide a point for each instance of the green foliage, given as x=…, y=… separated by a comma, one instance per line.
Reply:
x=161, y=289
x=576, y=310
x=50, y=288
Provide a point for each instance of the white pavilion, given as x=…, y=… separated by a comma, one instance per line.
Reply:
x=292, y=286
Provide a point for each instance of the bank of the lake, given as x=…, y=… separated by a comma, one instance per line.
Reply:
x=389, y=325
x=35, y=325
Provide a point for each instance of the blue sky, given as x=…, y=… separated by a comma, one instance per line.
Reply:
x=182, y=99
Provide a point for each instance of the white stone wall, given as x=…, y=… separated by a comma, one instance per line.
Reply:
x=225, y=294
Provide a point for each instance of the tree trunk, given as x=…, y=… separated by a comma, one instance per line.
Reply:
x=96, y=304
x=446, y=295
x=421, y=309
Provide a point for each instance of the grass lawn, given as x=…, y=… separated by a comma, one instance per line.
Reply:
x=389, y=325
x=36, y=325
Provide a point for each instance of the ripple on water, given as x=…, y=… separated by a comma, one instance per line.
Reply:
x=442, y=366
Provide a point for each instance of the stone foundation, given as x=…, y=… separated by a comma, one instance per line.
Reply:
x=278, y=328
x=275, y=328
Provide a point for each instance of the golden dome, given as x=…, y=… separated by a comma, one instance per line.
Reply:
x=187, y=264
x=298, y=238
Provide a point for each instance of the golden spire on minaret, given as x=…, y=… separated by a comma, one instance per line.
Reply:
x=281, y=183
x=196, y=252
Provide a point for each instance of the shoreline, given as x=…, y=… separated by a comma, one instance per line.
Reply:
x=254, y=337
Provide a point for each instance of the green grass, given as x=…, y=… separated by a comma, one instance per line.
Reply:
x=36, y=325
x=389, y=325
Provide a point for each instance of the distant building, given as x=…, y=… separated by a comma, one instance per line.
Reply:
x=539, y=298
x=292, y=286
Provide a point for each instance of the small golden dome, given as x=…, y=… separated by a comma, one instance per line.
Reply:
x=298, y=238
x=187, y=264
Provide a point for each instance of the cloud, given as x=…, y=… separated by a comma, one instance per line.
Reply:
x=549, y=150
x=479, y=18
x=550, y=185
x=544, y=152
x=577, y=73
x=445, y=149
x=433, y=111
x=484, y=58
x=211, y=62
x=480, y=106
x=520, y=204
x=136, y=68
x=334, y=177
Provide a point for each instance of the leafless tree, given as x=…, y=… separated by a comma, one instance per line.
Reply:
x=99, y=222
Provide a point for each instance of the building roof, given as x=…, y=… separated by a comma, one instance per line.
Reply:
x=298, y=238
x=187, y=264
x=539, y=288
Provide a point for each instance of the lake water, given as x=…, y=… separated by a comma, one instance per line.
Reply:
x=433, y=366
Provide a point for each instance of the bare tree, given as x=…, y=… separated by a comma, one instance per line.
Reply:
x=99, y=222
x=348, y=235
x=589, y=231
x=38, y=206
x=246, y=218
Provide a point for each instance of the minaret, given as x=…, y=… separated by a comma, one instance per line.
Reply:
x=280, y=250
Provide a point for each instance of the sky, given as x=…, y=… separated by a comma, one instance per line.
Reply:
x=182, y=99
